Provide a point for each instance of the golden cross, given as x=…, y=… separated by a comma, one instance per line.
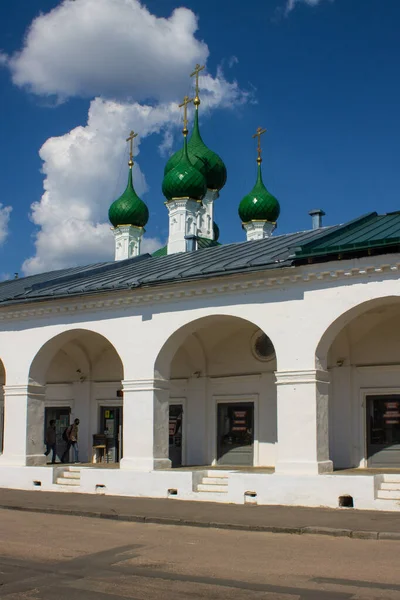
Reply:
x=130, y=139
x=185, y=103
x=196, y=72
x=258, y=135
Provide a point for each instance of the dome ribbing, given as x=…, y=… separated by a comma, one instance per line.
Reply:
x=202, y=158
x=184, y=180
x=129, y=209
x=259, y=204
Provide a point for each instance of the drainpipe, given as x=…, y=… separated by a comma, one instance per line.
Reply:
x=316, y=215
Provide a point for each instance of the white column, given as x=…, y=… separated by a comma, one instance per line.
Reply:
x=145, y=425
x=127, y=241
x=23, y=425
x=182, y=214
x=303, y=431
x=82, y=395
x=258, y=230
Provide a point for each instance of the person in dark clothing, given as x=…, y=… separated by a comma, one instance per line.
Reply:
x=72, y=436
x=51, y=440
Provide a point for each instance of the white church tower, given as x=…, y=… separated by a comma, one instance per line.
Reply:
x=191, y=216
x=128, y=215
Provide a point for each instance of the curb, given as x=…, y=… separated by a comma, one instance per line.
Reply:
x=314, y=530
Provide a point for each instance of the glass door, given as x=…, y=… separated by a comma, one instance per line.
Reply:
x=383, y=431
x=235, y=434
x=111, y=426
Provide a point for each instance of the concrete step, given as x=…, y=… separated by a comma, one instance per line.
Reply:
x=203, y=487
x=64, y=481
x=391, y=478
x=71, y=474
x=219, y=474
x=389, y=494
x=390, y=486
x=74, y=489
x=73, y=469
x=215, y=480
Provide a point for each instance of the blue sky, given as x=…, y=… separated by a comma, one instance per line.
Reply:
x=322, y=78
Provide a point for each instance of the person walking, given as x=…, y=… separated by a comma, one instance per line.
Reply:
x=51, y=440
x=72, y=441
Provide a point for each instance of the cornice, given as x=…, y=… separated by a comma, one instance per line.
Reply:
x=219, y=285
x=300, y=377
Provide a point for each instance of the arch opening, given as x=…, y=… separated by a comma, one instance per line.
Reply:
x=222, y=393
x=361, y=352
x=81, y=373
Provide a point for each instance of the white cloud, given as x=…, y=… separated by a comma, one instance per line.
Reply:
x=291, y=4
x=117, y=50
x=3, y=59
x=5, y=213
x=108, y=48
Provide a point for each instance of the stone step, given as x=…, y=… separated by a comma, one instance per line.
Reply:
x=389, y=494
x=391, y=478
x=71, y=474
x=391, y=486
x=215, y=480
x=203, y=487
x=64, y=481
x=219, y=474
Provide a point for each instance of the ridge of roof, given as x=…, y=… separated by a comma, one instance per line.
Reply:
x=307, y=248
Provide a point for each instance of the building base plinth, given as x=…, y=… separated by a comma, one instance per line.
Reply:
x=304, y=468
x=145, y=464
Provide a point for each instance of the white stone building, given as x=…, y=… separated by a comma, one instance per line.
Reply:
x=265, y=371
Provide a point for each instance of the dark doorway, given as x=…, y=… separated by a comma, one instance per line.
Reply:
x=383, y=431
x=235, y=434
x=111, y=426
x=175, y=434
x=62, y=418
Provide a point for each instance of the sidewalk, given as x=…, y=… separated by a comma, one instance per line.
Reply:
x=276, y=519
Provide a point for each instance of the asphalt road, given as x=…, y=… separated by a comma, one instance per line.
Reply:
x=45, y=557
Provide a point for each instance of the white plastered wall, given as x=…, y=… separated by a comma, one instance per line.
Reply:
x=295, y=308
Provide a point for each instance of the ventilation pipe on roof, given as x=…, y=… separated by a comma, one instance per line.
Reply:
x=316, y=215
x=191, y=243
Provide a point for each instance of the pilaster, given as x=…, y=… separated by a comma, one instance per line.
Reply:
x=183, y=217
x=127, y=241
x=205, y=223
x=258, y=230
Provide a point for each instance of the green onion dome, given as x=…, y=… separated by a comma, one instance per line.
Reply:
x=216, y=231
x=184, y=180
x=201, y=157
x=129, y=209
x=259, y=205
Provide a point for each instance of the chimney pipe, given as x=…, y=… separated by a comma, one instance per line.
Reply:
x=316, y=215
x=191, y=243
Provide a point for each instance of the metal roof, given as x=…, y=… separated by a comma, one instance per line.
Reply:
x=146, y=270
x=372, y=231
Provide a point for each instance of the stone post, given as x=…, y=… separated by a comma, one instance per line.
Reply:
x=303, y=432
x=145, y=425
